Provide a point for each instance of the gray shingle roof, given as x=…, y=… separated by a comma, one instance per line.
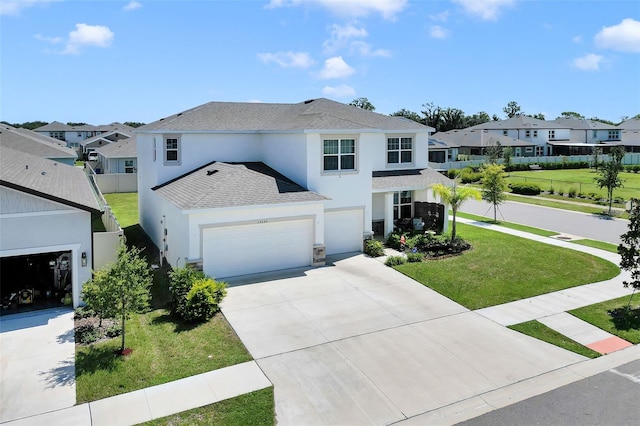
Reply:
x=315, y=114
x=519, y=122
x=109, y=137
x=630, y=124
x=581, y=124
x=471, y=137
x=47, y=179
x=54, y=126
x=402, y=180
x=124, y=148
x=218, y=185
x=35, y=145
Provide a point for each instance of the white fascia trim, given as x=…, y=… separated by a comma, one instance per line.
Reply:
x=39, y=249
x=252, y=207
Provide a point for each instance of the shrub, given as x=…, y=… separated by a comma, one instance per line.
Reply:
x=618, y=200
x=551, y=190
x=393, y=240
x=572, y=192
x=414, y=257
x=561, y=191
x=636, y=168
x=86, y=334
x=524, y=188
x=203, y=299
x=180, y=282
x=83, y=312
x=470, y=175
x=453, y=173
x=114, y=330
x=395, y=261
x=373, y=248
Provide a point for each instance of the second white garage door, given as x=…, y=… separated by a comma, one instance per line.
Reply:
x=343, y=230
x=252, y=248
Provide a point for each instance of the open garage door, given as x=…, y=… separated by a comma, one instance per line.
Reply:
x=343, y=230
x=35, y=281
x=233, y=250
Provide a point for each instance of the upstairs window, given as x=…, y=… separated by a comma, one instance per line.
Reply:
x=339, y=154
x=527, y=133
x=552, y=134
x=399, y=150
x=505, y=133
x=535, y=133
x=595, y=134
x=171, y=150
x=57, y=135
x=614, y=134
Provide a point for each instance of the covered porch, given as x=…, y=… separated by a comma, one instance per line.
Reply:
x=402, y=199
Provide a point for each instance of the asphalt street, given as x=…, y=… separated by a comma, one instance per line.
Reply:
x=609, y=398
x=585, y=225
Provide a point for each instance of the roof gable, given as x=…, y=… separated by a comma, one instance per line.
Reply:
x=35, y=145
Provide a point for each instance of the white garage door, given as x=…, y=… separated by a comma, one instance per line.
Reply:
x=247, y=249
x=343, y=231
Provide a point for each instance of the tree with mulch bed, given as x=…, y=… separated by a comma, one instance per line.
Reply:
x=454, y=196
x=120, y=289
x=629, y=250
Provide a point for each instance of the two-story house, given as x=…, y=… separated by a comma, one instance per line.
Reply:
x=251, y=187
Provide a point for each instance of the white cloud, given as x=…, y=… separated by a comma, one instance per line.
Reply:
x=487, y=10
x=341, y=91
x=86, y=36
x=132, y=5
x=624, y=37
x=439, y=32
x=362, y=48
x=52, y=40
x=335, y=67
x=340, y=36
x=589, y=62
x=352, y=8
x=577, y=39
x=14, y=7
x=440, y=17
x=287, y=59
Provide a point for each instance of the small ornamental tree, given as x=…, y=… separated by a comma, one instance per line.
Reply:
x=454, y=196
x=609, y=173
x=494, y=186
x=121, y=288
x=629, y=249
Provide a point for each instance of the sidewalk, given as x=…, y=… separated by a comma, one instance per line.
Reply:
x=158, y=401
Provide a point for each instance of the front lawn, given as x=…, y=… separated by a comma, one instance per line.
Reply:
x=542, y=332
x=164, y=350
x=597, y=315
x=502, y=268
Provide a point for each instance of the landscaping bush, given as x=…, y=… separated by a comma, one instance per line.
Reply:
x=572, y=192
x=87, y=334
x=395, y=261
x=414, y=257
x=203, y=299
x=83, y=312
x=469, y=175
x=180, y=282
x=373, y=248
x=524, y=188
x=551, y=190
x=453, y=173
x=393, y=240
x=636, y=168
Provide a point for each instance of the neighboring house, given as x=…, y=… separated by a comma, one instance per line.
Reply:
x=541, y=134
x=474, y=141
x=442, y=151
x=103, y=139
x=242, y=188
x=35, y=144
x=584, y=136
x=46, y=212
x=118, y=157
x=73, y=136
x=630, y=134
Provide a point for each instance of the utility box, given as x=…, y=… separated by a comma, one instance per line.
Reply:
x=319, y=255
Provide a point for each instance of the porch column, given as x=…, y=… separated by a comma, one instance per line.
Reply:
x=388, y=213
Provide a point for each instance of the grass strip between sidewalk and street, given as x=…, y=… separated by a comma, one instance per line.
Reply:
x=502, y=268
x=255, y=408
x=598, y=315
x=597, y=244
x=542, y=332
x=510, y=225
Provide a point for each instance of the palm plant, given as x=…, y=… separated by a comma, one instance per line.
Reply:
x=454, y=196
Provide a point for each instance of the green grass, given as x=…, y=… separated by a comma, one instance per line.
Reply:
x=541, y=201
x=582, y=179
x=597, y=244
x=510, y=225
x=598, y=316
x=124, y=206
x=502, y=268
x=163, y=350
x=255, y=408
x=542, y=332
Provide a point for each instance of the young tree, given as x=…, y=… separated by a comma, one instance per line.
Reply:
x=120, y=288
x=629, y=249
x=494, y=186
x=512, y=109
x=362, y=103
x=507, y=152
x=596, y=152
x=454, y=196
x=493, y=152
x=609, y=173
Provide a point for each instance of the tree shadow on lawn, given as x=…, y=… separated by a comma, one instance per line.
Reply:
x=179, y=326
x=96, y=359
x=625, y=318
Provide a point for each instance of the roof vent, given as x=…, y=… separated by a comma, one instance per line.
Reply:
x=211, y=172
x=43, y=173
x=308, y=101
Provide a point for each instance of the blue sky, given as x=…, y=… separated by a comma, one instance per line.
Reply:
x=105, y=61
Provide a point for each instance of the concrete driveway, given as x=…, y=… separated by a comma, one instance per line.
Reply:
x=359, y=343
x=37, y=363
